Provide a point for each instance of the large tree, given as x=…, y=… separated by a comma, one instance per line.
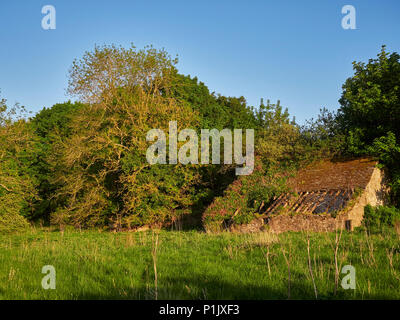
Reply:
x=105, y=176
x=370, y=102
x=369, y=115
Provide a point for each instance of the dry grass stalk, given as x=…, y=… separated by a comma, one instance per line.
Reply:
x=335, y=247
x=397, y=228
x=267, y=258
x=389, y=254
x=288, y=260
x=310, y=267
x=262, y=239
x=154, y=255
x=130, y=240
x=370, y=246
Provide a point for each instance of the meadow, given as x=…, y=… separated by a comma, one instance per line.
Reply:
x=197, y=265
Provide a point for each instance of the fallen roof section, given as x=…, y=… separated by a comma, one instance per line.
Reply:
x=324, y=187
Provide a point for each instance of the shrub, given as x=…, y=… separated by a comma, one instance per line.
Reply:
x=248, y=194
x=12, y=223
x=17, y=181
x=381, y=216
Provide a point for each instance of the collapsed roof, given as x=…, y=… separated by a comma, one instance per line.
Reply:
x=326, y=186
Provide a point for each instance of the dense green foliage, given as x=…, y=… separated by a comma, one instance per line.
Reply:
x=369, y=115
x=84, y=163
x=90, y=162
x=215, y=111
x=370, y=101
x=278, y=148
x=18, y=183
x=376, y=218
x=51, y=127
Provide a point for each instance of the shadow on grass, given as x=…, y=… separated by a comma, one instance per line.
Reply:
x=194, y=288
x=212, y=288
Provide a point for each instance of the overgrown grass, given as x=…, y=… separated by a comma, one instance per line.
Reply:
x=196, y=265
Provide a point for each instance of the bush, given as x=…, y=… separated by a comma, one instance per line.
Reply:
x=381, y=216
x=12, y=223
x=247, y=194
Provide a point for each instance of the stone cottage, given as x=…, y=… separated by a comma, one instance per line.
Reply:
x=324, y=196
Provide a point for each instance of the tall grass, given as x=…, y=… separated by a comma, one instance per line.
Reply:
x=196, y=265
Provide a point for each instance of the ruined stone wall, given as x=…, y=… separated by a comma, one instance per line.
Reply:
x=305, y=222
x=298, y=222
x=374, y=194
x=256, y=225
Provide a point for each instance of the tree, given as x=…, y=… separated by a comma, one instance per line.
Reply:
x=215, y=111
x=370, y=102
x=105, y=176
x=322, y=137
x=51, y=126
x=277, y=135
x=369, y=115
x=17, y=181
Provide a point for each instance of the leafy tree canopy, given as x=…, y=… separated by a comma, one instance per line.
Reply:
x=370, y=102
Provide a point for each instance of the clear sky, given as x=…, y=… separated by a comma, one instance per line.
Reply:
x=295, y=51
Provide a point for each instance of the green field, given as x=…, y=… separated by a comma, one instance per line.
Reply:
x=196, y=265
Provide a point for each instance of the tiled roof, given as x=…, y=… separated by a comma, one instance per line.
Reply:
x=325, y=186
x=330, y=175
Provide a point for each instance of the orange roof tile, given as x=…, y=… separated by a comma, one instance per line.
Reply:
x=330, y=175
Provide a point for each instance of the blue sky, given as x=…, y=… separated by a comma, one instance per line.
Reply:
x=295, y=51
